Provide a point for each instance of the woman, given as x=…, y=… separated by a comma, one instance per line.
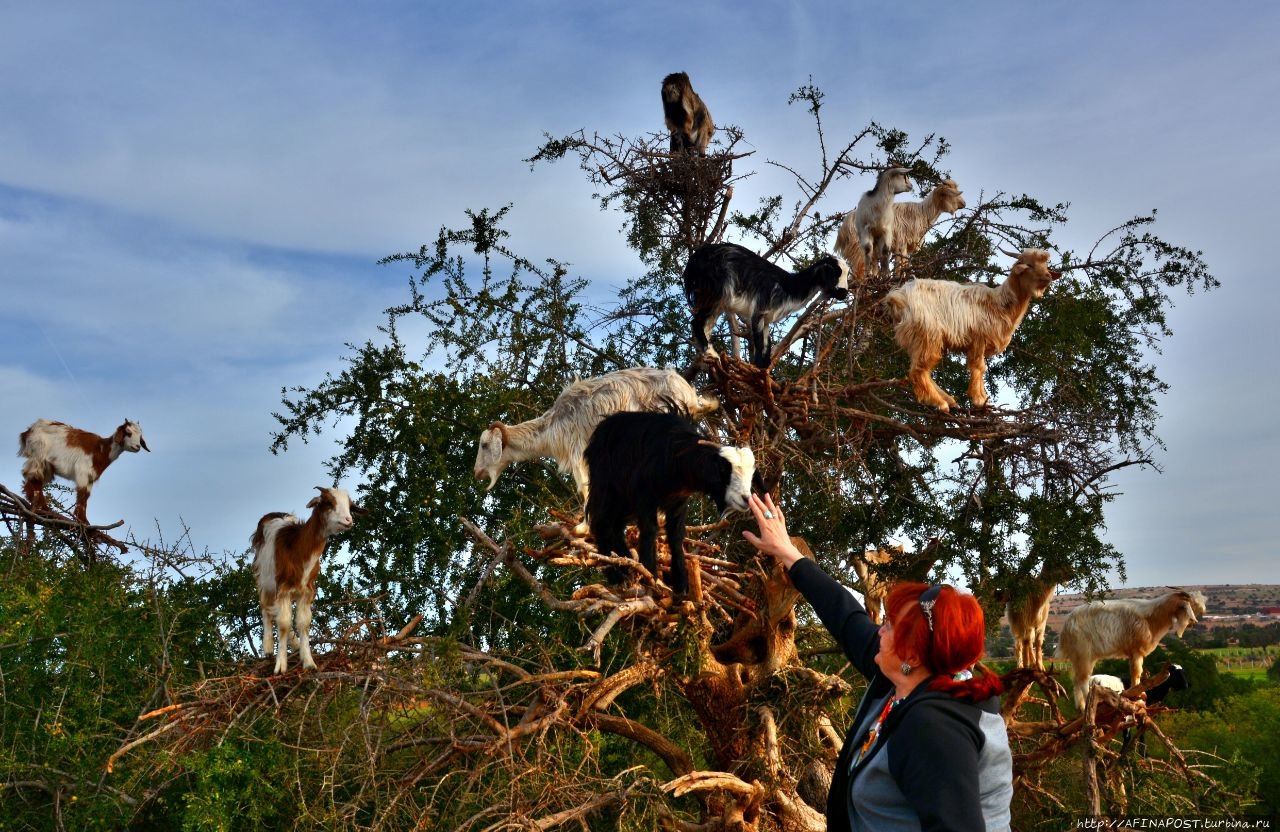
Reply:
x=928, y=748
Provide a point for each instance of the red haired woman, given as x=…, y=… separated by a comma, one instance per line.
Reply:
x=928, y=748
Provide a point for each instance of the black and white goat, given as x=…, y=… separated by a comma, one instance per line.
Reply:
x=725, y=277
x=286, y=563
x=643, y=463
x=57, y=449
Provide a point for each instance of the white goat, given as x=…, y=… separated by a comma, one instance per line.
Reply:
x=57, y=449
x=911, y=222
x=934, y=316
x=1124, y=628
x=563, y=432
x=874, y=218
x=286, y=563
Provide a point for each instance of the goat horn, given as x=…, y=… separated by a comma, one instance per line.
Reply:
x=708, y=443
x=321, y=488
x=1010, y=253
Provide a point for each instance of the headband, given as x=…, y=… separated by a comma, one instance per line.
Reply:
x=927, y=599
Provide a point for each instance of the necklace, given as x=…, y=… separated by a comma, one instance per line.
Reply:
x=873, y=733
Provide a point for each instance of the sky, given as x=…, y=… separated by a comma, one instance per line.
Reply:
x=193, y=198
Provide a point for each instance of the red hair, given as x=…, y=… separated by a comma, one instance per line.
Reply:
x=953, y=644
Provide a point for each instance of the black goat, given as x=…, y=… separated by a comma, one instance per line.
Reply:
x=725, y=277
x=1177, y=681
x=643, y=463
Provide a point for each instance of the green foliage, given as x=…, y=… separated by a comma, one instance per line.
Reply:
x=1243, y=729
x=238, y=784
x=84, y=649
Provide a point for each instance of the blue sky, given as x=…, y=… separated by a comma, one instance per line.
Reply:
x=193, y=198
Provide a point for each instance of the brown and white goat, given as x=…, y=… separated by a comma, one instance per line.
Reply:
x=1127, y=628
x=57, y=449
x=936, y=316
x=899, y=565
x=911, y=222
x=286, y=563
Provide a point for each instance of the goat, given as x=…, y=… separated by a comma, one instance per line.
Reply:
x=725, y=277
x=1154, y=695
x=911, y=222
x=687, y=117
x=563, y=431
x=1027, y=608
x=1106, y=680
x=874, y=218
x=902, y=566
x=56, y=449
x=934, y=316
x=1177, y=681
x=1125, y=628
x=643, y=463
x=286, y=563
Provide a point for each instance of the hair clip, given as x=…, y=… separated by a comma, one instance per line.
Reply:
x=927, y=599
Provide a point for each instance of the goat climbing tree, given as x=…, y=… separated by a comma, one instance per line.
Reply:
x=550, y=697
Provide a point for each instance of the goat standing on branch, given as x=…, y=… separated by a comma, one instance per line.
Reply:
x=1128, y=628
x=56, y=449
x=643, y=463
x=687, y=117
x=911, y=222
x=874, y=218
x=935, y=316
x=725, y=277
x=286, y=562
x=563, y=432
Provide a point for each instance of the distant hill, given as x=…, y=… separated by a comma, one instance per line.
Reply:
x=1228, y=604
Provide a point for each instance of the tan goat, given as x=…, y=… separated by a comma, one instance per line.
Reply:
x=936, y=316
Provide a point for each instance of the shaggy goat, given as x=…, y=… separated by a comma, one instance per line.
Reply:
x=911, y=222
x=56, y=449
x=286, y=563
x=564, y=430
x=687, y=117
x=1125, y=628
x=874, y=218
x=934, y=316
x=902, y=565
x=643, y=463
x=725, y=277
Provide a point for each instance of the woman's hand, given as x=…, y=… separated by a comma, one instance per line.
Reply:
x=773, y=539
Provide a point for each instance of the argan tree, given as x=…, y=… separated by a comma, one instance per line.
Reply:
x=534, y=694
